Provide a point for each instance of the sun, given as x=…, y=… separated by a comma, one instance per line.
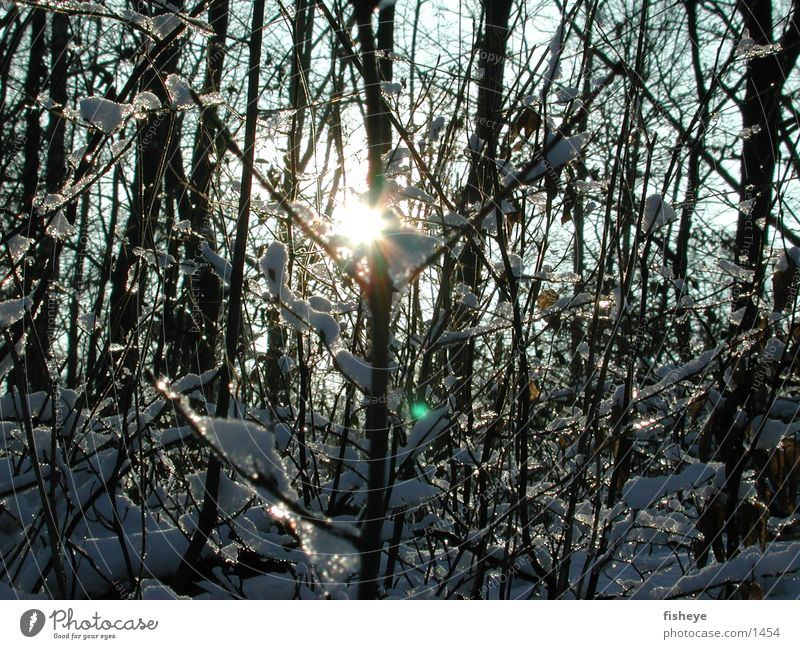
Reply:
x=359, y=223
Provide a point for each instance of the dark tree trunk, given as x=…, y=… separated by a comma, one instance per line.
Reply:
x=33, y=130
x=482, y=179
x=204, y=287
x=129, y=276
x=765, y=78
x=39, y=353
x=379, y=298
x=208, y=513
x=385, y=63
x=35, y=324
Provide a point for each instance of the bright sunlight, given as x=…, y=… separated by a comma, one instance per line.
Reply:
x=359, y=223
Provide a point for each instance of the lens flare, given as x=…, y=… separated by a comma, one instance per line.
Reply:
x=359, y=223
x=419, y=409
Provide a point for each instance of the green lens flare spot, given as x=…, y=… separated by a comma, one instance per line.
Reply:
x=419, y=410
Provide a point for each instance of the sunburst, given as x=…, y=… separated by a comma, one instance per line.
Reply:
x=359, y=223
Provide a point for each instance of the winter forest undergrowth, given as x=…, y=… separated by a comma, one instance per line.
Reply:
x=443, y=299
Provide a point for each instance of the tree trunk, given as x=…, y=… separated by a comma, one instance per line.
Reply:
x=764, y=82
x=208, y=514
